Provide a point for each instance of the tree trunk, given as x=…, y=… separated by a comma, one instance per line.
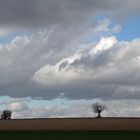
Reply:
x=99, y=114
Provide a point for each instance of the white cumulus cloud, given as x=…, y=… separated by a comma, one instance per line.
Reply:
x=103, y=68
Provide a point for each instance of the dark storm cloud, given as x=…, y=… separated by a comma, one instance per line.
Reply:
x=39, y=14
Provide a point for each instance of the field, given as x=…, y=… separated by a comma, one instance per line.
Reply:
x=71, y=135
x=71, y=128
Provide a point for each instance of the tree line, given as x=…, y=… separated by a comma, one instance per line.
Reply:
x=96, y=108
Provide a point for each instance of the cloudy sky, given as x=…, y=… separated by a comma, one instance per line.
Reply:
x=57, y=57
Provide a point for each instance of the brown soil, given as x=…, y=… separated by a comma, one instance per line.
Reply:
x=124, y=124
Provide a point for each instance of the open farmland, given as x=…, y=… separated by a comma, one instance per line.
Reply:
x=71, y=128
x=105, y=124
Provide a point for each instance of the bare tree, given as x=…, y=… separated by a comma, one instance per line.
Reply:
x=98, y=108
x=6, y=114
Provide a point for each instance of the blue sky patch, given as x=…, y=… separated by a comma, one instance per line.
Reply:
x=130, y=29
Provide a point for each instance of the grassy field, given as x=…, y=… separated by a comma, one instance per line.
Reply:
x=70, y=135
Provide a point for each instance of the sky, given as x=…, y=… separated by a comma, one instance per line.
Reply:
x=58, y=57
